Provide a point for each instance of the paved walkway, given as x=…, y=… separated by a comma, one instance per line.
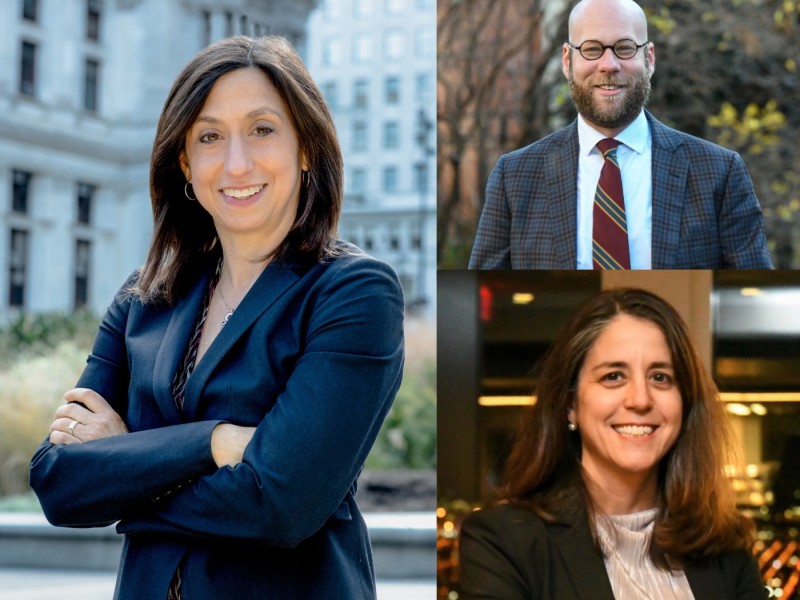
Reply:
x=36, y=584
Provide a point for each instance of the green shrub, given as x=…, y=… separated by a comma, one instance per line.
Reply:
x=30, y=391
x=408, y=437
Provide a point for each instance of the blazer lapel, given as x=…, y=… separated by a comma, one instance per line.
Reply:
x=174, y=345
x=276, y=279
x=562, y=184
x=670, y=172
x=584, y=566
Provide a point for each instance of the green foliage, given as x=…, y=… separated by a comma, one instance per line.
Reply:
x=31, y=335
x=30, y=391
x=408, y=436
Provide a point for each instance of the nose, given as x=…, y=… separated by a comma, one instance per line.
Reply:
x=238, y=160
x=608, y=61
x=638, y=398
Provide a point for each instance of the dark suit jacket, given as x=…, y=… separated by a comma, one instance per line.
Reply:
x=705, y=212
x=508, y=553
x=313, y=358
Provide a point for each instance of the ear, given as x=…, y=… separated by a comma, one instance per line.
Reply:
x=651, y=58
x=303, y=161
x=184, y=162
x=571, y=416
x=565, y=60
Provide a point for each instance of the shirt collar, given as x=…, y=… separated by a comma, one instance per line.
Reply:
x=635, y=136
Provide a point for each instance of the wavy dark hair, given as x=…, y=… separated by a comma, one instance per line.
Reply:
x=184, y=237
x=697, y=515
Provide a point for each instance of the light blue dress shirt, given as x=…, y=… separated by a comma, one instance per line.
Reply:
x=636, y=166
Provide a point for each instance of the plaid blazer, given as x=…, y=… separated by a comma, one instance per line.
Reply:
x=705, y=211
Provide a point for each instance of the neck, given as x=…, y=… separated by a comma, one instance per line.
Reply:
x=241, y=265
x=622, y=493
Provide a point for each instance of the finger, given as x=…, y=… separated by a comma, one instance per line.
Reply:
x=71, y=410
x=89, y=398
x=63, y=426
x=60, y=437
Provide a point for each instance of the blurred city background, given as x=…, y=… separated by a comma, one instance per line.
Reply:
x=500, y=323
x=726, y=70
x=84, y=83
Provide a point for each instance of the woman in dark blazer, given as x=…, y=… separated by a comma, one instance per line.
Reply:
x=615, y=486
x=239, y=379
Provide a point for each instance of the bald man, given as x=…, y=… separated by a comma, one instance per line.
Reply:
x=617, y=189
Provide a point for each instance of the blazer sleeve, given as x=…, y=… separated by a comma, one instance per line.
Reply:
x=490, y=569
x=741, y=223
x=308, y=450
x=492, y=247
x=102, y=481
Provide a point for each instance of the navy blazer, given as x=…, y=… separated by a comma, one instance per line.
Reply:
x=705, y=211
x=509, y=553
x=313, y=358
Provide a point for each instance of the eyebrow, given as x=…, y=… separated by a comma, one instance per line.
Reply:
x=257, y=112
x=619, y=364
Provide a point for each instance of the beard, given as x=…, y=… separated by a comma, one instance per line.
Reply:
x=614, y=112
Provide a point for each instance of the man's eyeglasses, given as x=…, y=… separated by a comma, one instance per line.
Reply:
x=623, y=49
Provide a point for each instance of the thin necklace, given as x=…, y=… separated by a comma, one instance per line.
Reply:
x=231, y=310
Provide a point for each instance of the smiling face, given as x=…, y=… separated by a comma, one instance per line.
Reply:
x=243, y=159
x=608, y=92
x=628, y=407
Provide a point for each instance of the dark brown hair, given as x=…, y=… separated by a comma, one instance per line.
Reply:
x=184, y=238
x=696, y=516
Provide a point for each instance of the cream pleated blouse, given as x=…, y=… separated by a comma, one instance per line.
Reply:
x=624, y=540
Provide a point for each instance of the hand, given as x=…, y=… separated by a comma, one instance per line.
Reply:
x=228, y=443
x=94, y=420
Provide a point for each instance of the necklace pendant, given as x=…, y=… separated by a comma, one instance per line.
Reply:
x=226, y=319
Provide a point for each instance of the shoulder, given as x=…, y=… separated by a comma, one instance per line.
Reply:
x=669, y=138
x=562, y=140
x=511, y=523
x=349, y=265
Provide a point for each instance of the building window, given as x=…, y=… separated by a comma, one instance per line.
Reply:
x=358, y=181
x=394, y=239
x=391, y=134
x=228, y=24
x=424, y=87
x=424, y=43
x=17, y=264
x=30, y=10
x=82, y=257
x=85, y=201
x=361, y=93
x=331, y=92
x=393, y=44
x=390, y=180
x=331, y=52
x=27, y=71
x=359, y=136
x=90, y=85
x=393, y=7
x=362, y=48
x=93, y=20
x=421, y=177
x=416, y=238
x=20, y=191
x=243, y=25
x=392, y=89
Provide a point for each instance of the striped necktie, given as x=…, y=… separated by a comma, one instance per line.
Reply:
x=609, y=226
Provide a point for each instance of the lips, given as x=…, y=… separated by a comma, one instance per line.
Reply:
x=634, y=431
x=241, y=193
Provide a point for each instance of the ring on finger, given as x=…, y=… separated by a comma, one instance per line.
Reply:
x=71, y=428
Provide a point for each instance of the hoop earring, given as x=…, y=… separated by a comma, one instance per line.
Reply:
x=305, y=178
x=186, y=191
x=572, y=426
